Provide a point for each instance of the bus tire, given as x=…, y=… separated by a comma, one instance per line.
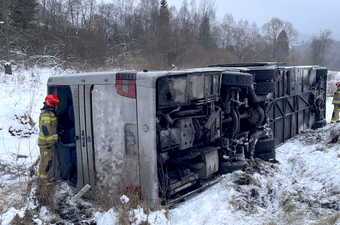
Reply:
x=263, y=75
x=237, y=79
x=264, y=88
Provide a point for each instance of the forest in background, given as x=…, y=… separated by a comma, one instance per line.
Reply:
x=148, y=34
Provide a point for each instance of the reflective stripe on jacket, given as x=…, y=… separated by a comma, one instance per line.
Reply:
x=48, y=127
x=42, y=176
x=336, y=97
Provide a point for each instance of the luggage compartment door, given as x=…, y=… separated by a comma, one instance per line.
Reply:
x=81, y=95
x=115, y=141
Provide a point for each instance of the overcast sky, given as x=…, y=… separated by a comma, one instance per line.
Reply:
x=307, y=16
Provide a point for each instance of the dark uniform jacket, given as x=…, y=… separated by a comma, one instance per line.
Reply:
x=48, y=127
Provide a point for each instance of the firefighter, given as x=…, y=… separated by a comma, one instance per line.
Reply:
x=336, y=103
x=48, y=136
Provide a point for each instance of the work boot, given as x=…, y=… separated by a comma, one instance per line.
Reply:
x=51, y=181
x=42, y=191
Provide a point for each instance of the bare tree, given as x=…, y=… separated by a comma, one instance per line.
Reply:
x=207, y=12
x=244, y=40
x=147, y=33
x=185, y=32
x=208, y=8
x=149, y=13
x=273, y=28
x=226, y=28
x=185, y=18
x=319, y=47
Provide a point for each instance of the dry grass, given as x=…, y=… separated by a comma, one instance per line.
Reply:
x=270, y=223
x=125, y=198
x=11, y=191
x=27, y=219
x=124, y=201
x=27, y=122
x=333, y=219
x=288, y=206
x=45, y=194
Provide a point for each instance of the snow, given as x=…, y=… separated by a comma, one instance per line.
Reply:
x=109, y=217
x=302, y=187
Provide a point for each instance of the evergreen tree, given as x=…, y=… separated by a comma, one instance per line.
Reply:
x=272, y=30
x=164, y=15
x=205, y=37
x=22, y=13
x=164, y=33
x=281, y=49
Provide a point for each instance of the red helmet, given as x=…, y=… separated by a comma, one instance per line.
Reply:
x=52, y=100
x=337, y=83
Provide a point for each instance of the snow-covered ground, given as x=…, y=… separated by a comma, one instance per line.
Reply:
x=302, y=187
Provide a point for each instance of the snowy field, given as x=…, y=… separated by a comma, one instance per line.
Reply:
x=302, y=187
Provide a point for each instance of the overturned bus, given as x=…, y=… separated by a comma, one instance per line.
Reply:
x=167, y=134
